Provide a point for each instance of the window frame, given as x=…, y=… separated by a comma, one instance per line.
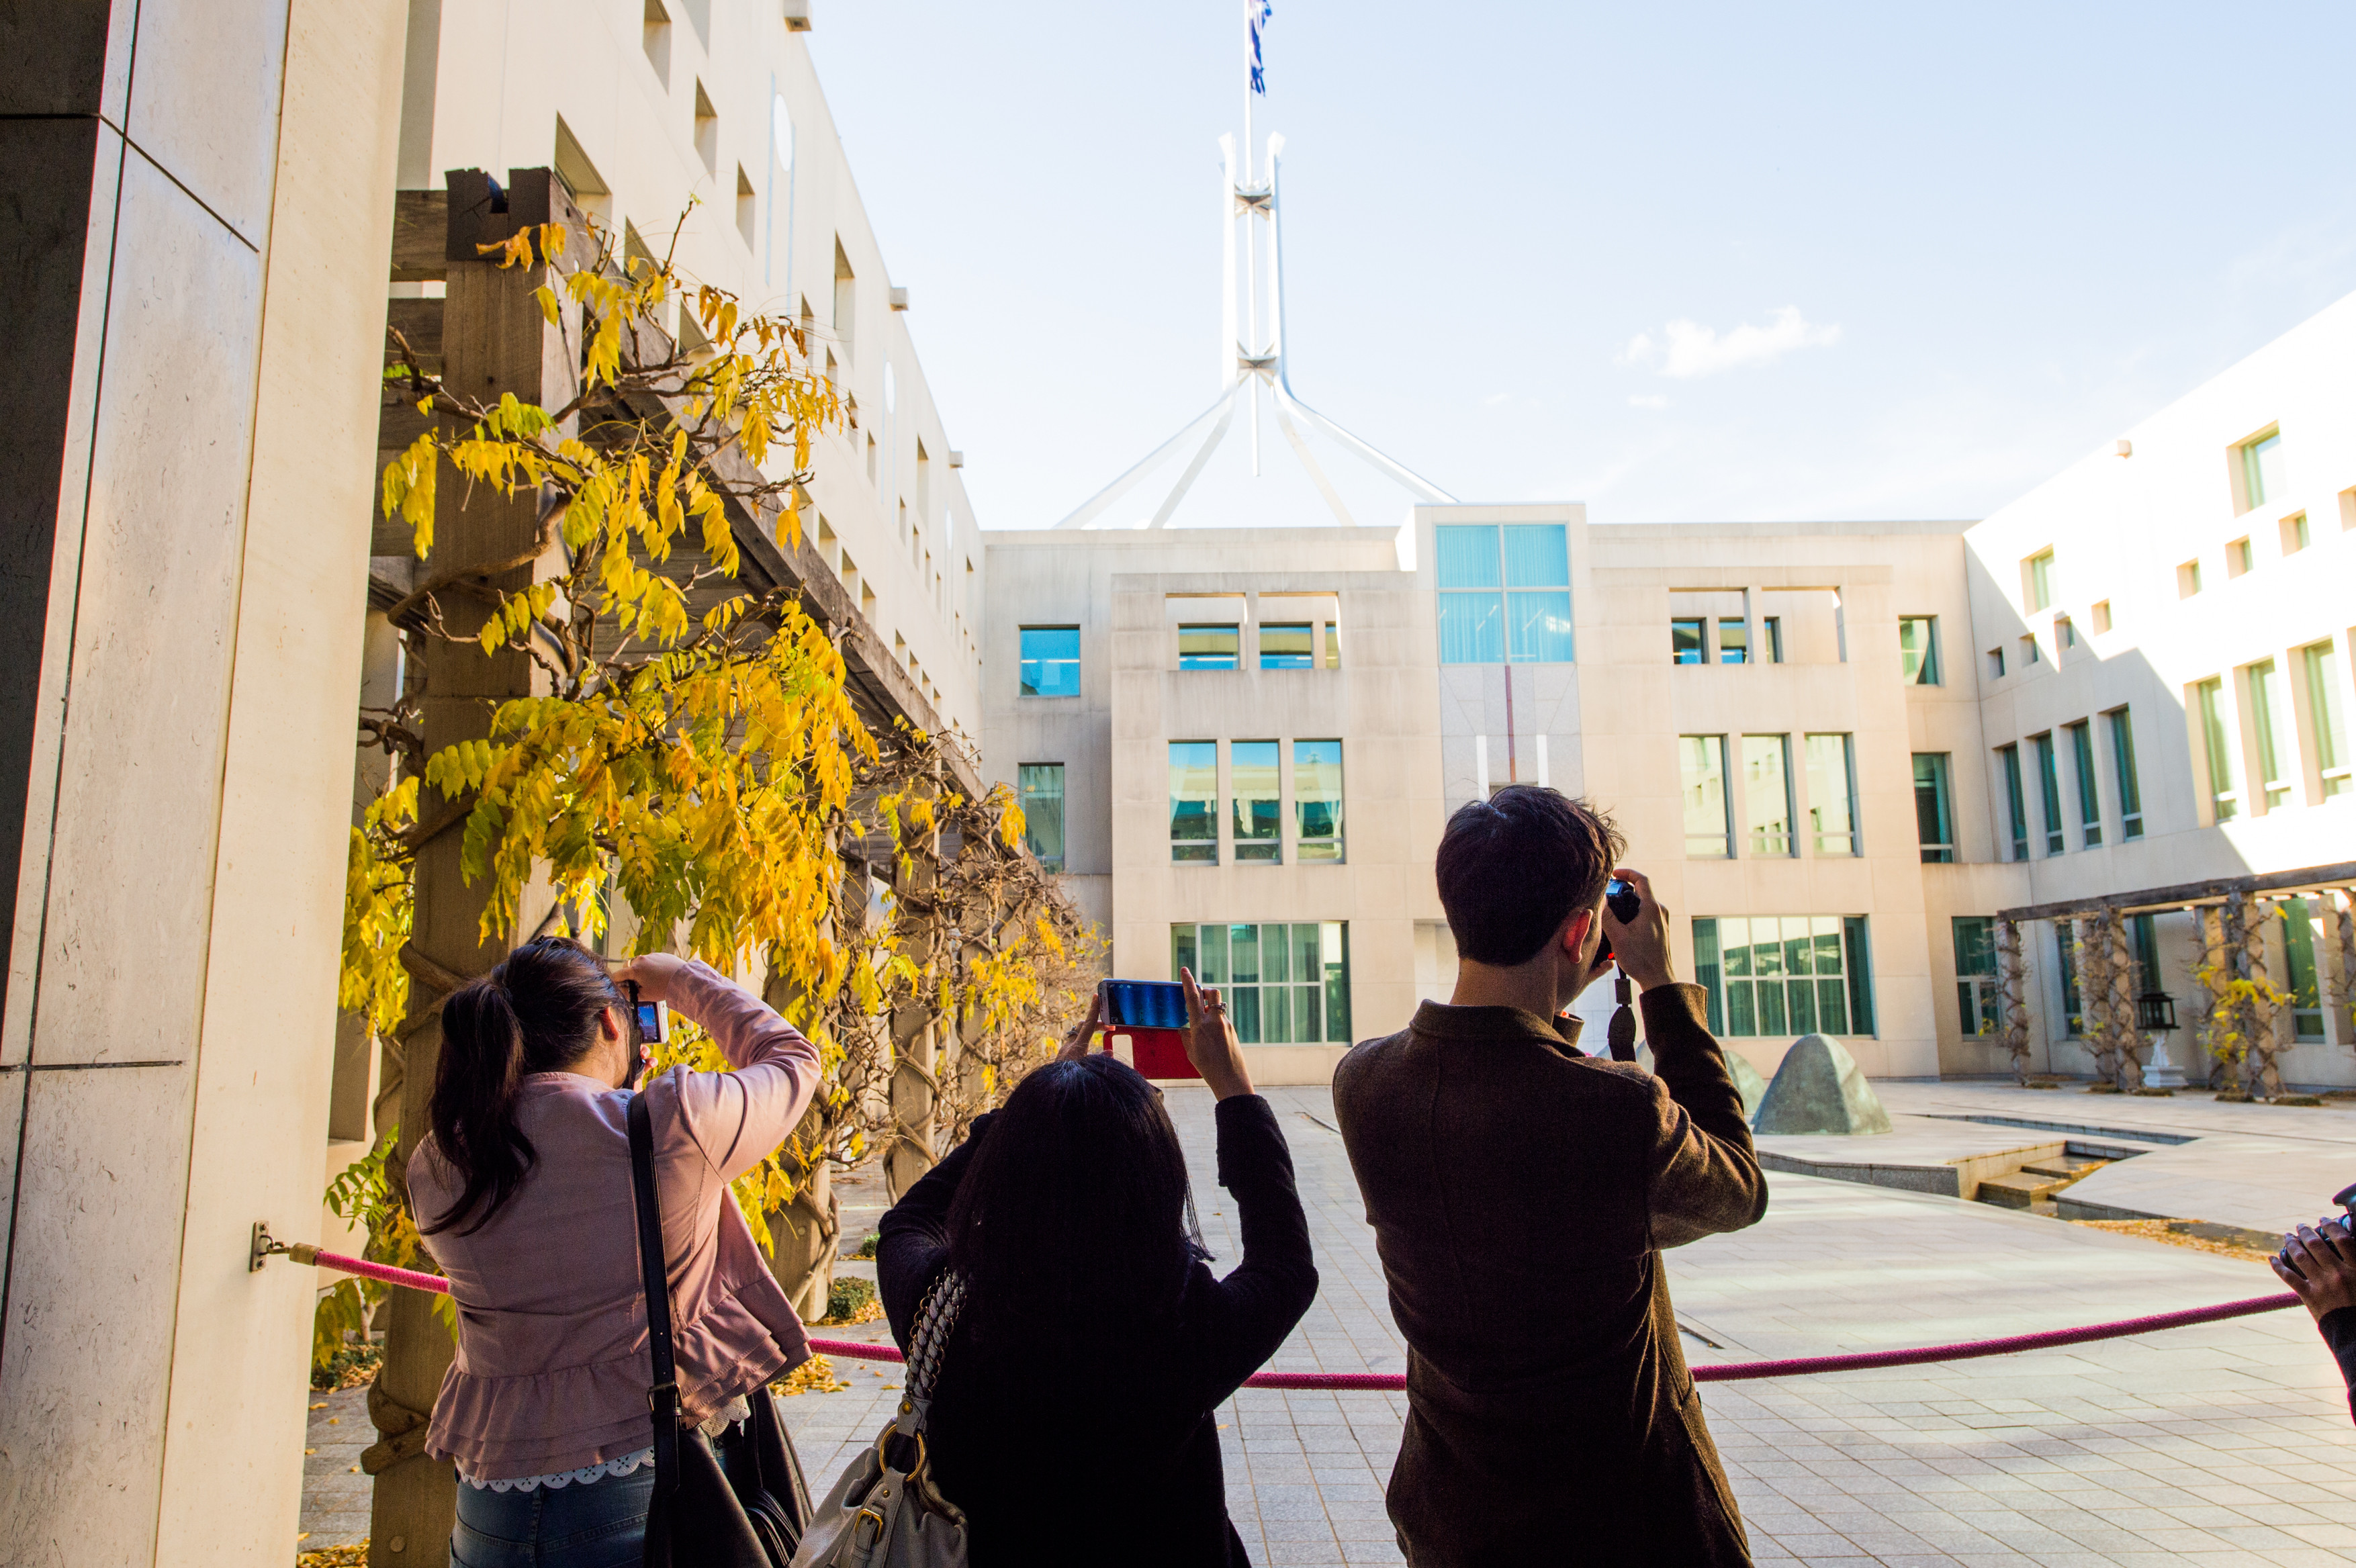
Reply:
x=1688, y=779
x=1027, y=796
x=1213, y=963
x=2269, y=717
x=2217, y=738
x=1210, y=662
x=1192, y=842
x=1310, y=848
x=2049, y=792
x=1926, y=668
x=2327, y=718
x=1979, y=1001
x=1306, y=658
x=2090, y=796
x=1737, y=1004
x=1514, y=603
x=1759, y=834
x=2016, y=801
x=1700, y=647
x=1941, y=850
x=1249, y=844
x=1845, y=783
x=2037, y=580
x=2123, y=764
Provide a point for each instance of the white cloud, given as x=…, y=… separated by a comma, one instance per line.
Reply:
x=1649, y=400
x=1691, y=350
x=1496, y=399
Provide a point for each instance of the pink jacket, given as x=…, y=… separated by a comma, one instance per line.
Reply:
x=553, y=1363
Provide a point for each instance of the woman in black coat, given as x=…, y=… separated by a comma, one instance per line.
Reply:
x=1072, y=1419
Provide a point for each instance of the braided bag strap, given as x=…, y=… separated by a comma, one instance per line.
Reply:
x=935, y=1320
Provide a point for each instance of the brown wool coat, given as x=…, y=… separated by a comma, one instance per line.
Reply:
x=1520, y=1195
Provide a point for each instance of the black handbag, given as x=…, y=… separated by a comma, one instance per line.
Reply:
x=742, y=1503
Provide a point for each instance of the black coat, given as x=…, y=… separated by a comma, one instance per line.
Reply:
x=1520, y=1195
x=1127, y=1472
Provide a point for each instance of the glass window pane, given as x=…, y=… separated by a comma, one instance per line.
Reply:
x=1333, y=937
x=1975, y=945
x=1285, y=645
x=2271, y=719
x=1467, y=555
x=1214, y=971
x=1741, y=1011
x=1194, y=801
x=1471, y=628
x=1766, y=951
x=1918, y=650
x=1252, y=784
x=1827, y=942
x=1051, y=661
x=1540, y=625
x=1317, y=799
x=2298, y=947
x=1707, y=973
x=1275, y=1007
x=1770, y=1007
x=2217, y=742
x=1042, y=788
x=1276, y=955
x=1307, y=1013
x=1181, y=952
x=1243, y=1007
x=1802, y=995
x=2123, y=763
x=1686, y=640
x=1701, y=765
x=1767, y=794
x=2049, y=786
x=1798, y=947
x=1832, y=1007
x=1307, y=961
x=1535, y=556
x=2324, y=711
x=1832, y=809
x=2010, y=758
x=1207, y=647
x=1859, y=957
x=1243, y=954
x=1734, y=640
x=1734, y=946
x=1934, y=810
x=2081, y=764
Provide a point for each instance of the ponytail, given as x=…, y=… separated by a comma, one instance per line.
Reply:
x=535, y=1012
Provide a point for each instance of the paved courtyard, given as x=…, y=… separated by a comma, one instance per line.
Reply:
x=2224, y=1445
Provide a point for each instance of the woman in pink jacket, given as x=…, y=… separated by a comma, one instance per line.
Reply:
x=522, y=1191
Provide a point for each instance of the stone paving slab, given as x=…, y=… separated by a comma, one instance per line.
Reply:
x=336, y=1496
x=2224, y=1445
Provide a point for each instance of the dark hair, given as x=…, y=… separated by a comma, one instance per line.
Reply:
x=1076, y=1213
x=1512, y=868
x=536, y=1011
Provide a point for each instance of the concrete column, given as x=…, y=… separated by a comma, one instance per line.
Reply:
x=200, y=200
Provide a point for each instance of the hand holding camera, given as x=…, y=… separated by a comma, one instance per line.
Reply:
x=1635, y=932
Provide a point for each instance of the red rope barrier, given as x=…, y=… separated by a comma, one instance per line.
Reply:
x=1710, y=1373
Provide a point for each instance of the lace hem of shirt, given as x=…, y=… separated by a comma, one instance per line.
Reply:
x=712, y=1426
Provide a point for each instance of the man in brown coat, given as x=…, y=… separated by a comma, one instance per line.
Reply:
x=1521, y=1193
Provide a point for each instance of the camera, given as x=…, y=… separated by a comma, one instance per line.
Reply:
x=2345, y=1219
x=1623, y=901
x=654, y=1018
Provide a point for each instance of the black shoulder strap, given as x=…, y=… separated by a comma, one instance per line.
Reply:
x=662, y=1394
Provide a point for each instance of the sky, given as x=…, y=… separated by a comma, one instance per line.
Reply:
x=1679, y=263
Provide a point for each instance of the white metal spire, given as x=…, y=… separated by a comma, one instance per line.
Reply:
x=1248, y=358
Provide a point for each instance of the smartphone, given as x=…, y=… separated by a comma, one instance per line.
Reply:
x=1143, y=1004
x=1625, y=902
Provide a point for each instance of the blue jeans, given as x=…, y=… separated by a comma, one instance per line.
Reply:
x=600, y=1525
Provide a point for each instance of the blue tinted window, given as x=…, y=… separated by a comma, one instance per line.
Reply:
x=1540, y=623
x=1467, y=555
x=1471, y=628
x=1051, y=661
x=1535, y=556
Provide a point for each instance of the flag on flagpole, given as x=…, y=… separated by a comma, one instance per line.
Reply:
x=1258, y=12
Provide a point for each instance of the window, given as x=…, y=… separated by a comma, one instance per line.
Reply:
x=2294, y=533
x=1285, y=645
x=2123, y=763
x=1686, y=640
x=2081, y=764
x=1051, y=661
x=1767, y=793
x=1701, y=769
x=1918, y=650
x=1935, y=813
x=2323, y=713
x=2065, y=964
x=1332, y=645
x=2101, y=615
x=1042, y=785
x=748, y=209
x=1734, y=640
x=2009, y=757
x=2065, y=631
x=707, y=130
x=1259, y=808
x=1284, y=983
x=1996, y=664
x=1783, y=976
x=2037, y=580
x=2188, y=579
x=1317, y=799
x=2238, y=559
x=2261, y=471
x=1978, y=1003
x=2217, y=748
x=1504, y=592
x=1195, y=802
x=846, y=316
x=2270, y=719
x=2298, y=948
x=2143, y=946
x=657, y=40
x=1207, y=647
x=2048, y=784
x=2028, y=652
x=1832, y=794
x=1771, y=628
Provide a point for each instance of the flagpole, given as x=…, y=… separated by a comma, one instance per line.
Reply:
x=1251, y=236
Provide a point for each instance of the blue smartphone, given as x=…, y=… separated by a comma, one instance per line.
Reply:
x=1143, y=1004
